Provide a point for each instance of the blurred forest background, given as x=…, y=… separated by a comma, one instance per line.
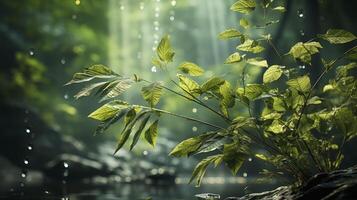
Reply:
x=42, y=43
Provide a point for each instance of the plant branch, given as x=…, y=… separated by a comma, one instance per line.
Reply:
x=181, y=116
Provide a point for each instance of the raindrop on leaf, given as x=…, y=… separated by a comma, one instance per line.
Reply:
x=31, y=52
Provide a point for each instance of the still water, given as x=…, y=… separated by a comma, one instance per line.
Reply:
x=134, y=191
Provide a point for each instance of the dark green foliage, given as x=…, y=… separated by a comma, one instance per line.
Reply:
x=302, y=126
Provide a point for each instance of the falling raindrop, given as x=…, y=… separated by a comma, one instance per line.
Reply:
x=156, y=28
x=122, y=7
x=46, y=192
x=157, y=9
x=245, y=174
x=153, y=48
x=157, y=15
x=26, y=162
x=77, y=2
x=31, y=52
x=172, y=18
x=65, y=165
x=141, y=5
x=302, y=32
x=30, y=147
x=28, y=131
x=173, y=2
x=153, y=69
x=250, y=159
x=65, y=96
x=194, y=128
x=302, y=67
x=205, y=98
x=300, y=13
x=194, y=110
x=145, y=153
x=156, y=42
x=23, y=174
x=63, y=61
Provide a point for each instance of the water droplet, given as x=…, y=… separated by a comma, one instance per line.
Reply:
x=245, y=174
x=65, y=96
x=63, y=61
x=29, y=147
x=250, y=159
x=122, y=7
x=302, y=67
x=302, y=32
x=65, y=165
x=46, y=192
x=28, y=131
x=205, y=98
x=157, y=15
x=156, y=42
x=157, y=9
x=141, y=5
x=145, y=153
x=26, y=162
x=77, y=2
x=194, y=128
x=31, y=52
x=23, y=174
x=156, y=28
x=153, y=48
x=300, y=13
x=173, y=2
x=153, y=69
x=172, y=18
x=65, y=198
x=194, y=110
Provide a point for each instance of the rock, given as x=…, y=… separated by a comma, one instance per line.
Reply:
x=337, y=185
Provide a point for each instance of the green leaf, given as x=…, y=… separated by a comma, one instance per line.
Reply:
x=139, y=131
x=252, y=91
x=108, y=110
x=227, y=100
x=201, y=167
x=301, y=83
x=304, y=51
x=280, y=8
x=212, y=84
x=127, y=130
x=273, y=73
x=276, y=127
x=92, y=72
x=278, y=104
x=233, y=58
x=250, y=46
x=234, y=156
x=164, y=50
x=352, y=55
x=229, y=33
x=116, y=88
x=315, y=100
x=188, y=85
x=244, y=6
x=151, y=133
x=244, y=23
x=104, y=125
x=260, y=62
x=191, y=145
x=338, y=36
x=152, y=93
x=89, y=89
x=191, y=69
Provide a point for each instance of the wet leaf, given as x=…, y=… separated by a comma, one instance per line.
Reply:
x=337, y=36
x=244, y=6
x=273, y=73
x=191, y=69
x=152, y=93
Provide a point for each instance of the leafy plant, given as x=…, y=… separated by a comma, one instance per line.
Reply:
x=303, y=125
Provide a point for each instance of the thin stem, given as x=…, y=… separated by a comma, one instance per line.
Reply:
x=275, y=49
x=181, y=116
x=195, y=99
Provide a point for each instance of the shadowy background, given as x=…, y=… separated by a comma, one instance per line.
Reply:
x=47, y=143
